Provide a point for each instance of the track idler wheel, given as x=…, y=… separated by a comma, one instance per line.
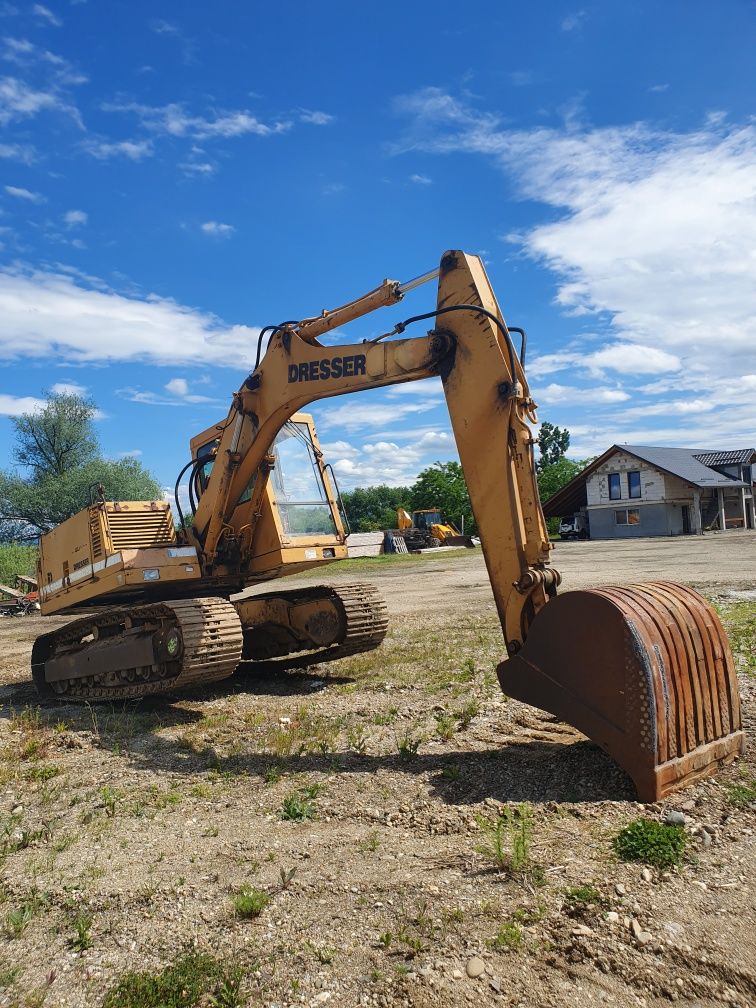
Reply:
x=645, y=671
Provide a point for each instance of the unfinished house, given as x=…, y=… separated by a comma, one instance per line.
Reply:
x=638, y=490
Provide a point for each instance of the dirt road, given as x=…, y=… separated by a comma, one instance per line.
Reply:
x=328, y=837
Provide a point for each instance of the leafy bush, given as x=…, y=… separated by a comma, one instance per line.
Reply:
x=250, y=902
x=16, y=559
x=651, y=843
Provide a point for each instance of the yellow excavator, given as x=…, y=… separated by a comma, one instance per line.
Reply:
x=426, y=528
x=644, y=670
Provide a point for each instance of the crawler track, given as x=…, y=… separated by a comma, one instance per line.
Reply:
x=212, y=639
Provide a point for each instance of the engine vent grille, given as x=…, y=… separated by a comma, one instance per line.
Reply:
x=141, y=529
x=95, y=537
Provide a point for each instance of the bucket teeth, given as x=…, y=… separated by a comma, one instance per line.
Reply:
x=645, y=671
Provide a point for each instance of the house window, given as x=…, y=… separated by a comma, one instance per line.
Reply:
x=627, y=516
x=633, y=484
x=615, y=489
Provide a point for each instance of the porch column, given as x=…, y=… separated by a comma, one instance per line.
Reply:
x=722, y=520
x=745, y=507
x=695, y=518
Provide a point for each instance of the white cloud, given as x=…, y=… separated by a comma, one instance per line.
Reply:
x=132, y=453
x=174, y=120
x=359, y=416
x=11, y=405
x=198, y=168
x=177, y=386
x=73, y=218
x=134, y=150
x=217, y=229
x=19, y=100
x=68, y=388
x=421, y=179
x=49, y=316
x=25, y=194
x=651, y=233
x=45, y=14
x=554, y=393
x=388, y=461
x=315, y=118
x=17, y=152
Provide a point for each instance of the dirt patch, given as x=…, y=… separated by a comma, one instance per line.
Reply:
x=360, y=798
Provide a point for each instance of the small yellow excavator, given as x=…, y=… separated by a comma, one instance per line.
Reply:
x=645, y=671
x=427, y=528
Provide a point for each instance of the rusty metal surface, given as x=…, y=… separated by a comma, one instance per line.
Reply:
x=645, y=671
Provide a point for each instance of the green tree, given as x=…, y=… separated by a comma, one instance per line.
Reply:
x=443, y=486
x=553, y=477
x=58, y=448
x=553, y=443
x=371, y=509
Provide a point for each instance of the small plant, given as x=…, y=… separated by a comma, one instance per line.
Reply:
x=41, y=773
x=507, y=838
x=298, y=805
x=322, y=953
x=742, y=795
x=82, y=938
x=585, y=894
x=18, y=919
x=287, y=876
x=445, y=725
x=110, y=800
x=407, y=746
x=452, y=772
x=385, y=938
x=357, y=739
x=250, y=902
x=507, y=937
x=386, y=717
x=651, y=843
x=467, y=712
x=196, y=978
x=273, y=774
x=371, y=842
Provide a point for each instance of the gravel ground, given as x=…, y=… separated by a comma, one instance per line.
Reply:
x=129, y=833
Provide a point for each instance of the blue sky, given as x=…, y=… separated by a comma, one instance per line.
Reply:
x=174, y=176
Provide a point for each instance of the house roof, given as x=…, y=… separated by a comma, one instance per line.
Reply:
x=724, y=458
x=681, y=462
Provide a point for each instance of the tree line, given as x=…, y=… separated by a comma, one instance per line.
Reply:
x=59, y=464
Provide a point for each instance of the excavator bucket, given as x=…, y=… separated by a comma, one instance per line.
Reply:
x=645, y=671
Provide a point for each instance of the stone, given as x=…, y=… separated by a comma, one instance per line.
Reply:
x=475, y=967
x=620, y=889
x=647, y=875
x=689, y=805
x=457, y=974
x=674, y=818
x=613, y=917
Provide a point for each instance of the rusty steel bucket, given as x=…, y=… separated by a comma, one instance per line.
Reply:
x=643, y=670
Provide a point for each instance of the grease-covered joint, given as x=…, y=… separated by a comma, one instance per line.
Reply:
x=443, y=351
x=253, y=382
x=535, y=576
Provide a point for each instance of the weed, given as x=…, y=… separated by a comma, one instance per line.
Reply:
x=250, y=902
x=18, y=919
x=187, y=982
x=82, y=924
x=507, y=937
x=466, y=713
x=386, y=717
x=507, y=838
x=407, y=746
x=298, y=805
x=286, y=876
x=201, y=791
x=445, y=725
x=8, y=974
x=585, y=894
x=273, y=774
x=371, y=842
x=452, y=772
x=322, y=953
x=357, y=739
x=41, y=773
x=385, y=938
x=109, y=799
x=742, y=795
x=651, y=842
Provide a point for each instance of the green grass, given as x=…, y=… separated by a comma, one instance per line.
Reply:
x=584, y=894
x=742, y=795
x=193, y=980
x=652, y=843
x=250, y=902
x=506, y=839
x=298, y=805
x=739, y=619
x=509, y=936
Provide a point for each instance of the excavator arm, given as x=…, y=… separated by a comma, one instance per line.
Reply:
x=646, y=671
x=489, y=405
